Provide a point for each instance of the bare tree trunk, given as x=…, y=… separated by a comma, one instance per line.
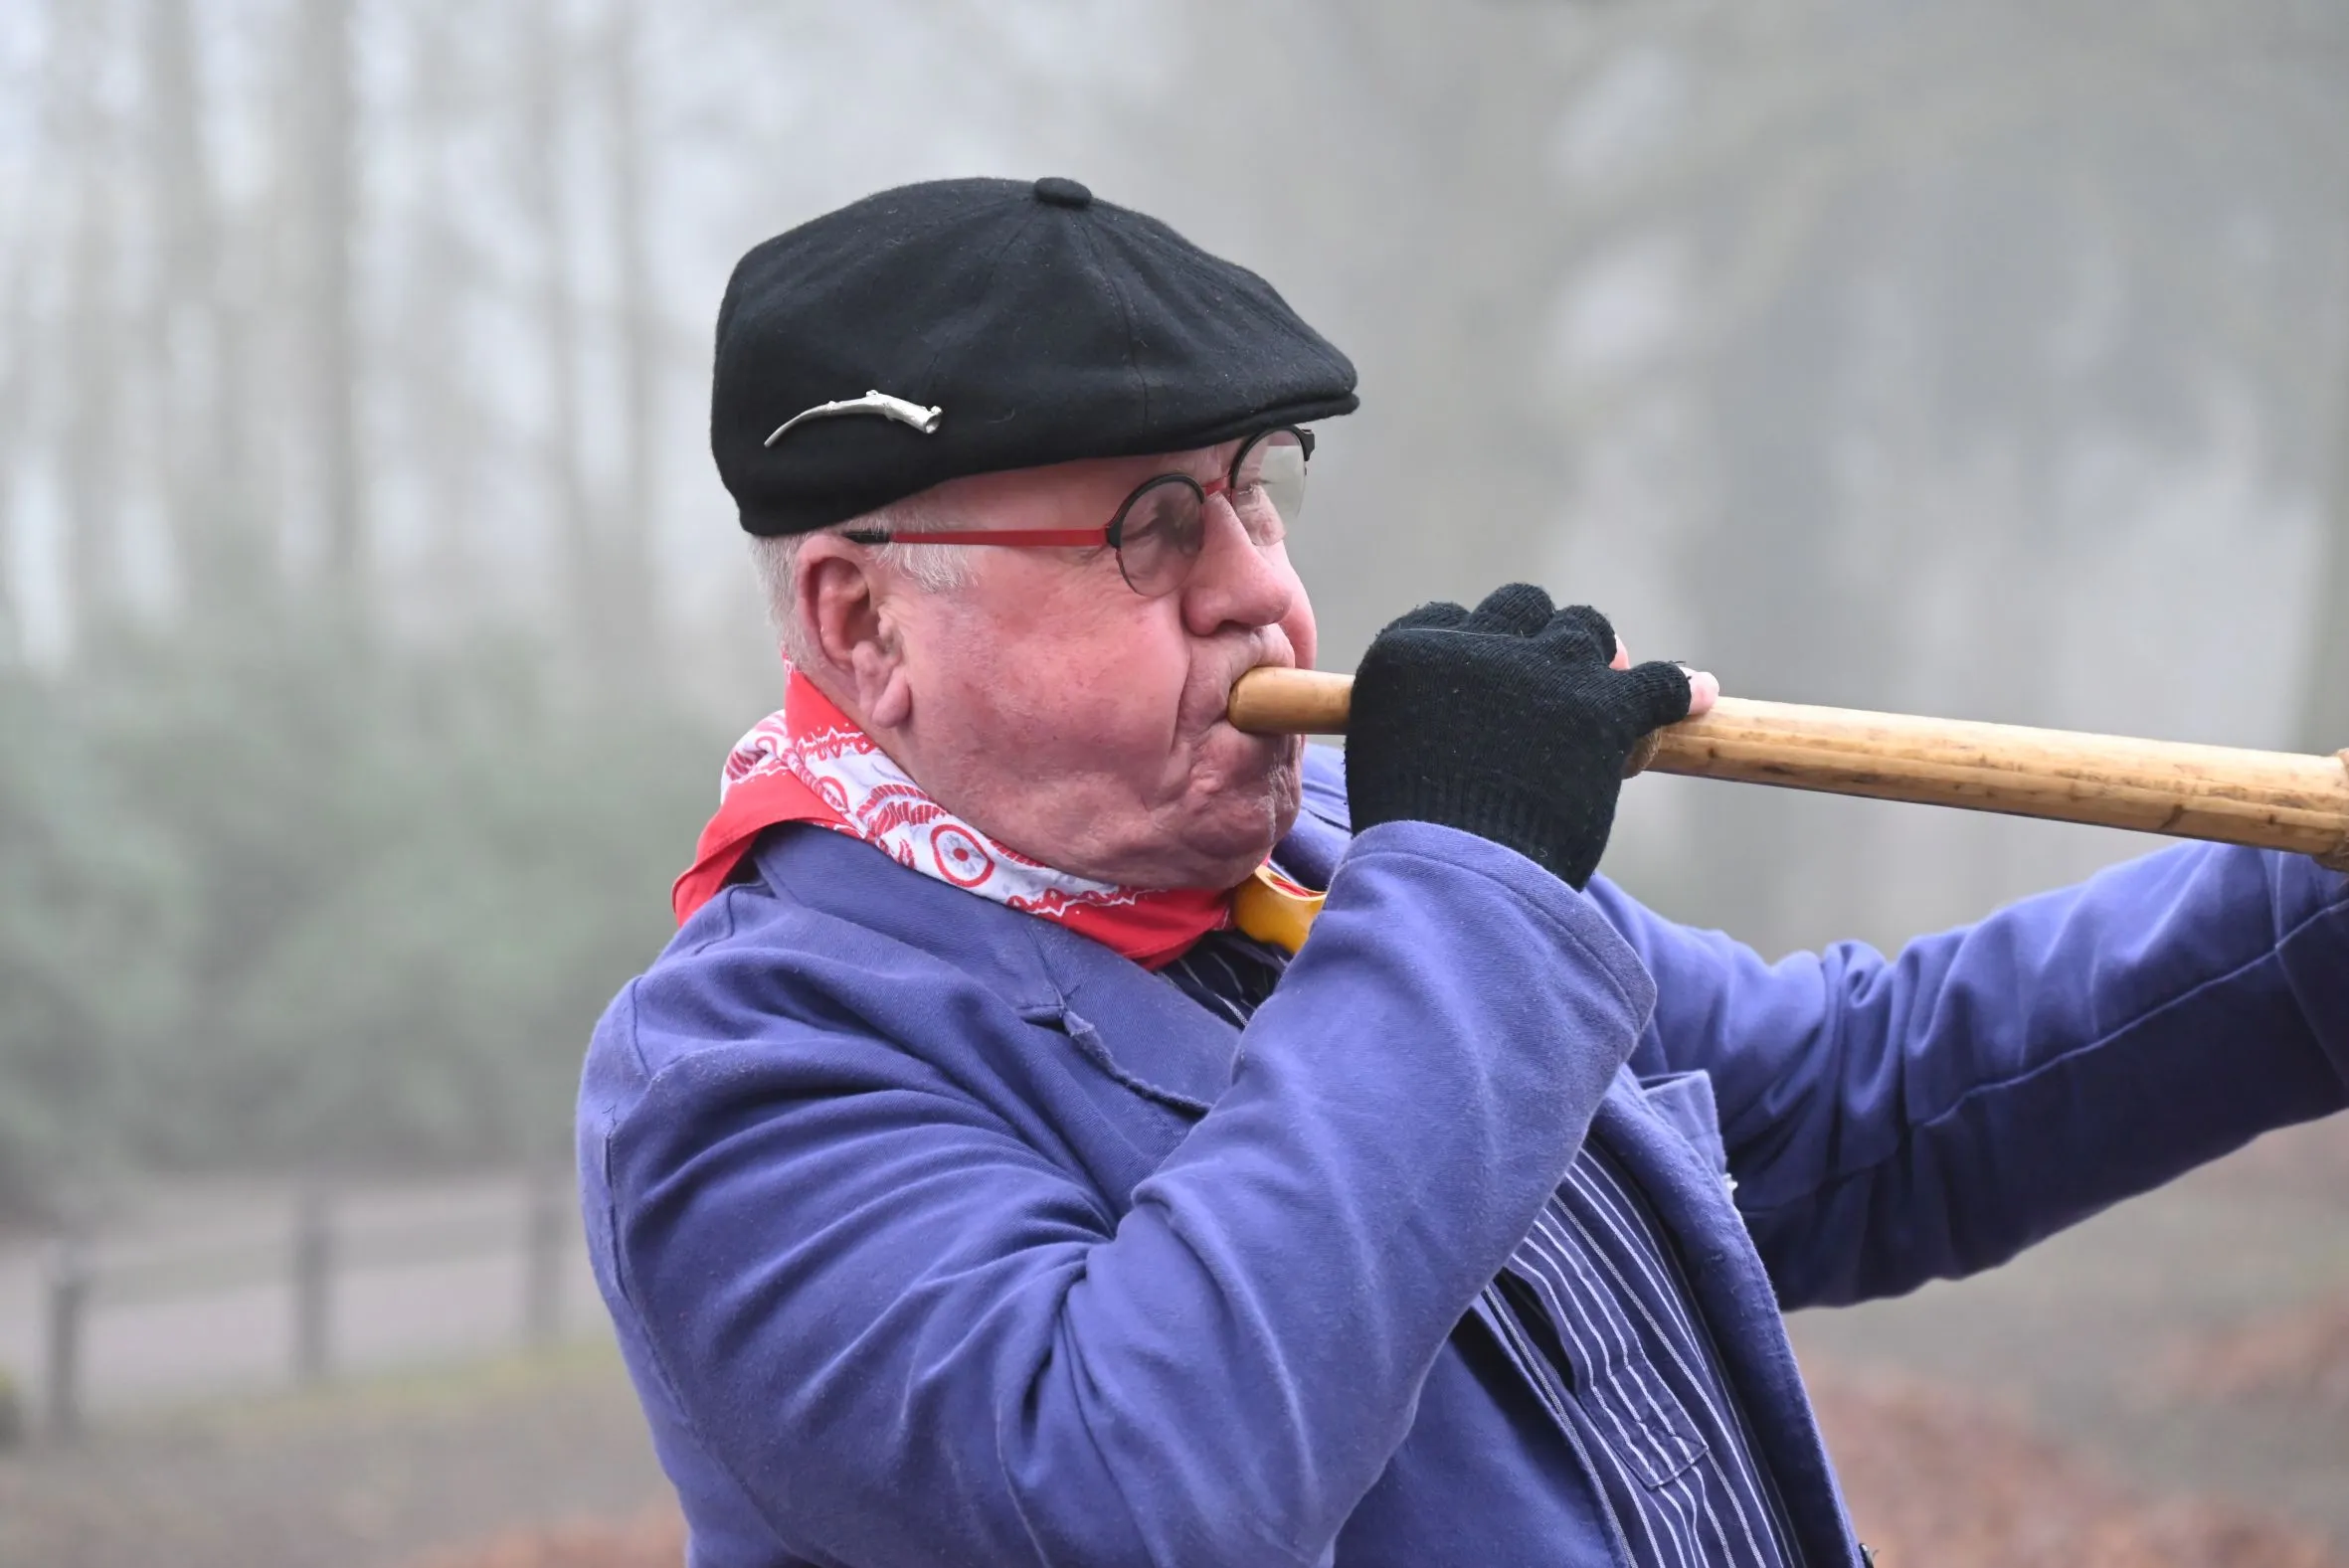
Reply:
x=437, y=371
x=199, y=417
x=570, y=513
x=326, y=160
x=18, y=243
x=15, y=404
x=94, y=433
x=626, y=567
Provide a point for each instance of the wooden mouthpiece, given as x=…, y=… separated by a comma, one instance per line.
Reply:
x=2266, y=799
x=1271, y=701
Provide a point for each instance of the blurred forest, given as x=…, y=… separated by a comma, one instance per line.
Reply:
x=372, y=624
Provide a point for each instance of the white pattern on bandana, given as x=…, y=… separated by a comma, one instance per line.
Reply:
x=880, y=803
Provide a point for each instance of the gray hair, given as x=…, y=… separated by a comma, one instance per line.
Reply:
x=933, y=569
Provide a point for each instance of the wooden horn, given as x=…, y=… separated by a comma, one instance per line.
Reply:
x=2266, y=799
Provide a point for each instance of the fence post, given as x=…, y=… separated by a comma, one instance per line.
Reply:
x=313, y=1285
x=68, y=1312
x=545, y=1228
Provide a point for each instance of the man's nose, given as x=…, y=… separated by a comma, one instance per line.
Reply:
x=1233, y=582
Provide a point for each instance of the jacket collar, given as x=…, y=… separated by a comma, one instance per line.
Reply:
x=852, y=881
x=1136, y=1025
x=1029, y=961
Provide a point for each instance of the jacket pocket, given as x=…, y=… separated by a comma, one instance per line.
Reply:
x=1128, y=1125
x=1161, y=1088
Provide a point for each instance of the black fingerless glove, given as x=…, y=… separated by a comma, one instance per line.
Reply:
x=1506, y=723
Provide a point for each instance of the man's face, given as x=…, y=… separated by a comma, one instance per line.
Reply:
x=1081, y=724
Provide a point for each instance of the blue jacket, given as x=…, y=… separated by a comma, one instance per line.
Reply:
x=937, y=1234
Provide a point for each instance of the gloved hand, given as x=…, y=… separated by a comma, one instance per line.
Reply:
x=1506, y=723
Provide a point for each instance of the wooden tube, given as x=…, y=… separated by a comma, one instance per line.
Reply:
x=1271, y=701
x=2266, y=799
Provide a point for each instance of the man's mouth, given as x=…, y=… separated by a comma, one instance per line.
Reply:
x=1281, y=659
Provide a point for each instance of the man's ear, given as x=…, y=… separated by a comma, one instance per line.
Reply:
x=845, y=602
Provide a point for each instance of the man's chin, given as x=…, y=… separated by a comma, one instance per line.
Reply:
x=1239, y=825
x=1233, y=763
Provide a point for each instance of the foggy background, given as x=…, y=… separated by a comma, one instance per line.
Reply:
x=372, y=621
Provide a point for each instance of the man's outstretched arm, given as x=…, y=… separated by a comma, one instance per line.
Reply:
x=1928, y=1115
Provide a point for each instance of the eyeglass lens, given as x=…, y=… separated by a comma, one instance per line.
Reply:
x=1163, y=524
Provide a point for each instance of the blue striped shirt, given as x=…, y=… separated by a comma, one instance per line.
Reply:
x=1594, y=1311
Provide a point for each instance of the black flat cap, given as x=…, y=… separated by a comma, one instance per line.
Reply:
x=966, y=326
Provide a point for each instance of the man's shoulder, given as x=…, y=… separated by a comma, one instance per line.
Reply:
x=747, y=965
x=826, y=942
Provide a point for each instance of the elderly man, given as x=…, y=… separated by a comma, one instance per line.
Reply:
x=979, y=1178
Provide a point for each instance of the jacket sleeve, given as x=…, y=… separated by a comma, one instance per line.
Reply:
x=913, y=1334
x=1895, y=1120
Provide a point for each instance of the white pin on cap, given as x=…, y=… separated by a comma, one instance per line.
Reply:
x=888, y=408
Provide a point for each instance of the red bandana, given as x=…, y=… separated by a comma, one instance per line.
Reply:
x=811, y=764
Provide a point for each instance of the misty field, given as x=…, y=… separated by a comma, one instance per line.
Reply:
x=2080, y=1406
x=545, y=1468
x=373, y=623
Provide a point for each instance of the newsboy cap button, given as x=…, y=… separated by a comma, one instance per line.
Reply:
x=1053, y=191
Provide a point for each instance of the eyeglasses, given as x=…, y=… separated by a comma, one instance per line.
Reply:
x=1160, y=529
